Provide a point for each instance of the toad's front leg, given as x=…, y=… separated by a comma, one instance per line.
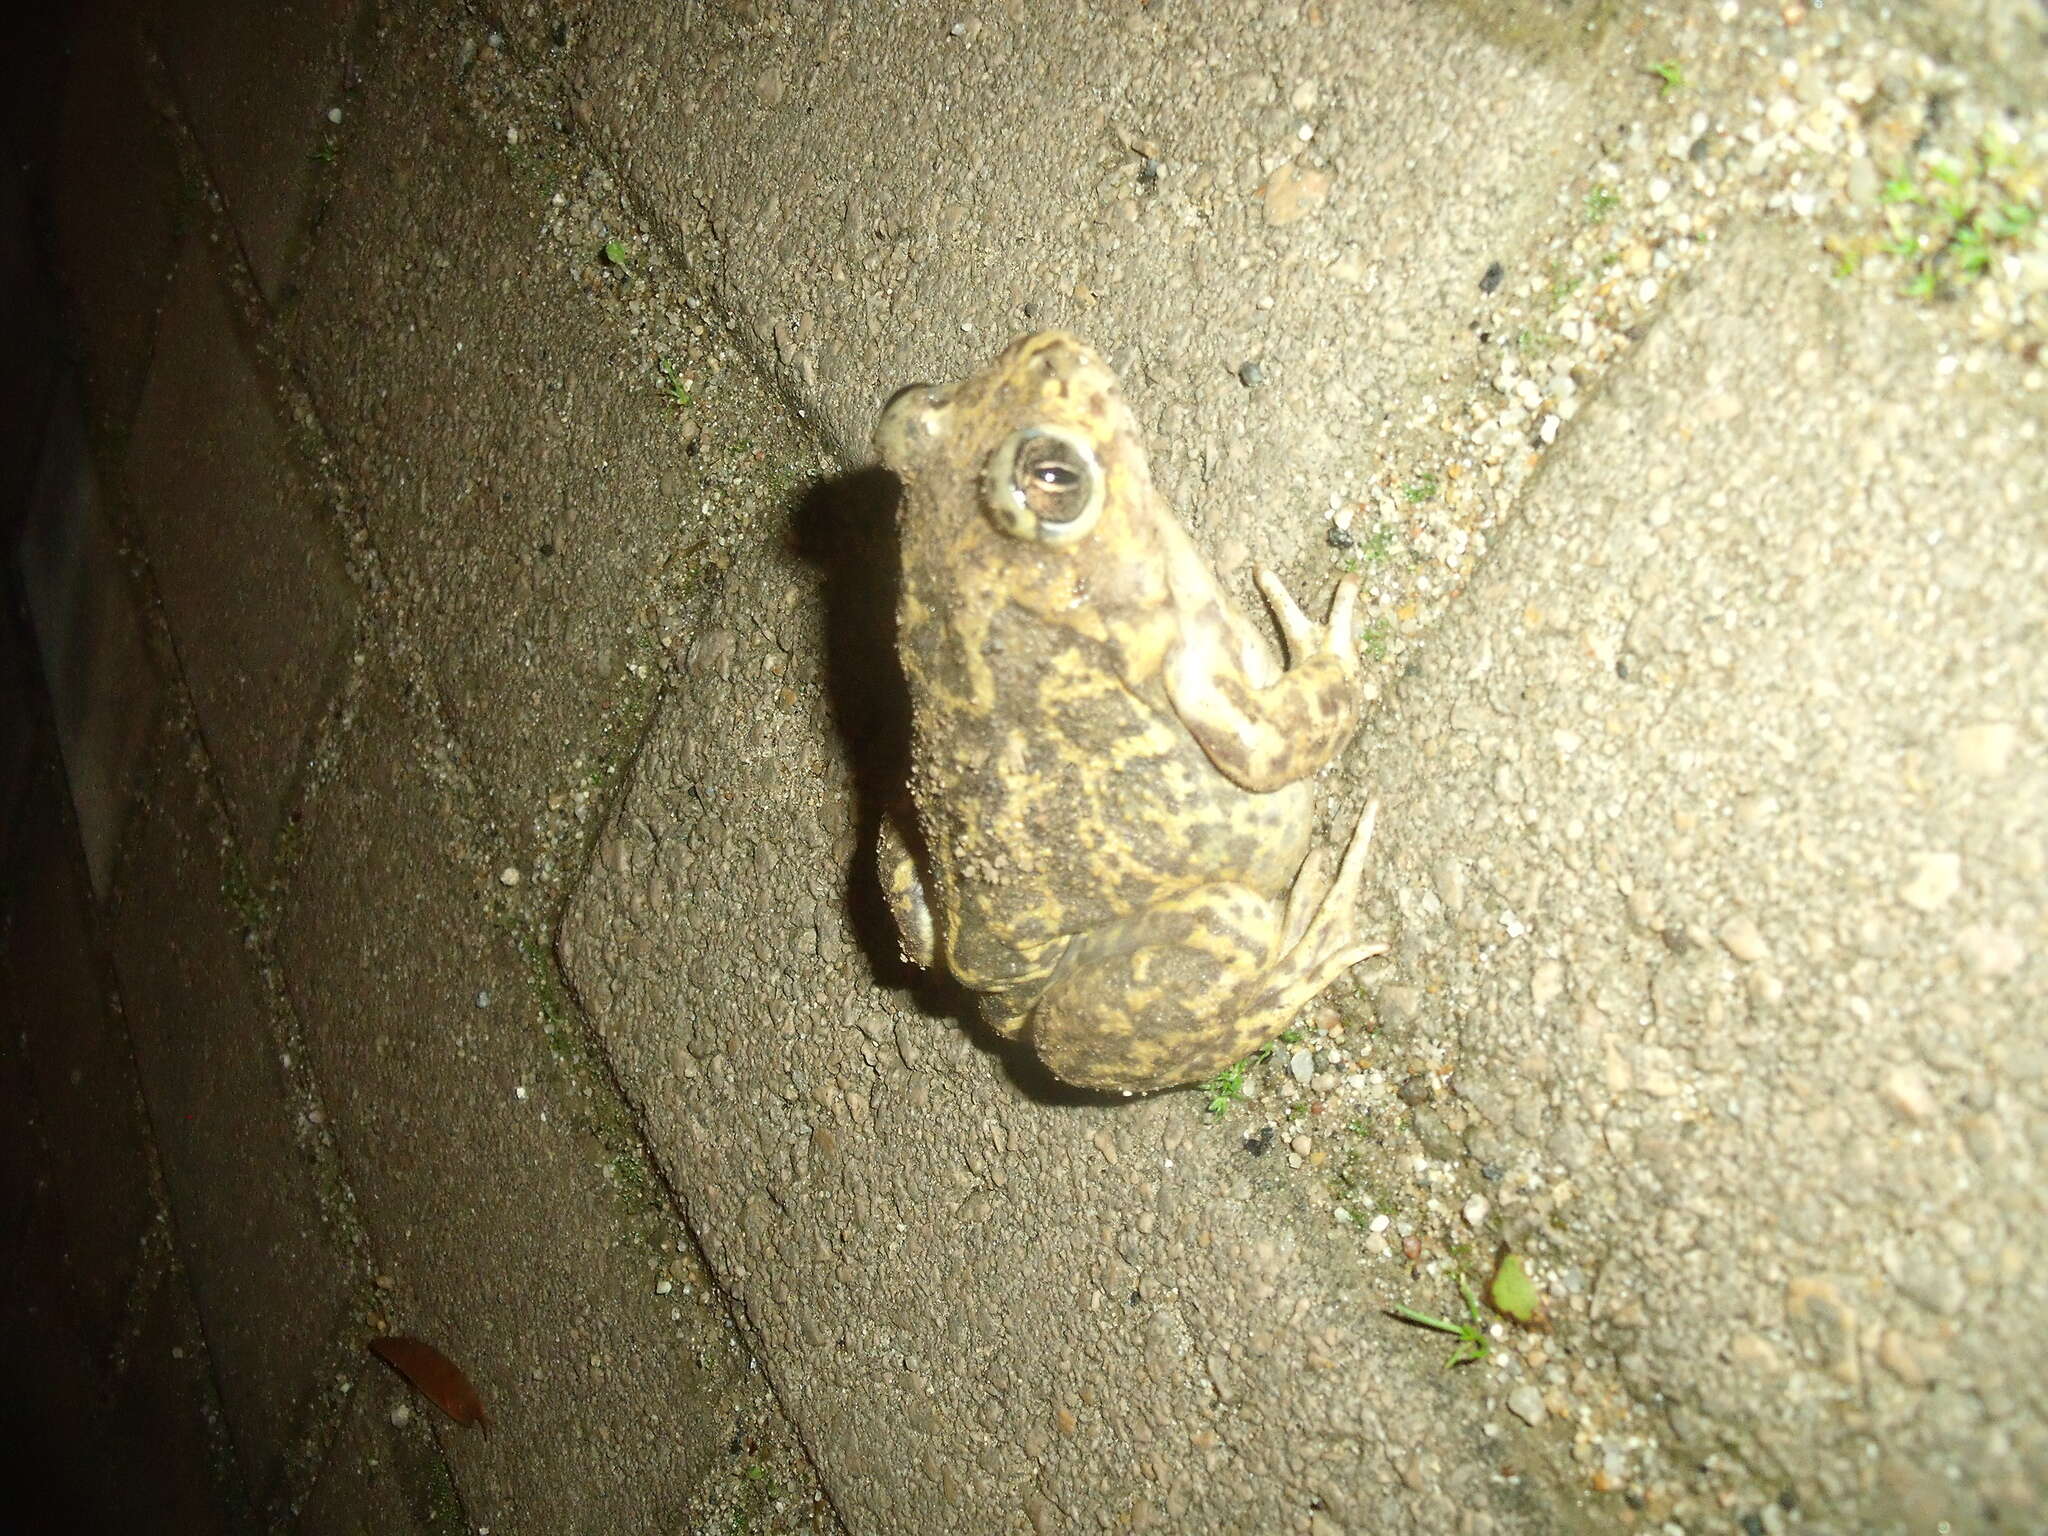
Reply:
x=1265, y=738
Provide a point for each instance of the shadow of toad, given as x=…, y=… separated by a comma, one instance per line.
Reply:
x=846, y=528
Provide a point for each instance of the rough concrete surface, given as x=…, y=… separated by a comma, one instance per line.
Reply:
x=260, y=636
x=121, y=242
x=512, y=1232
x=496, y=942
x=271, y=1270
x=104, y=683
x=256, y=83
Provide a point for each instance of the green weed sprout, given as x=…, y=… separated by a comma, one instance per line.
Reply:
x=1672, y=73
x=1473, y=1344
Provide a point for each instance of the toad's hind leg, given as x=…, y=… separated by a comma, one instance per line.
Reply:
x=1176, y=993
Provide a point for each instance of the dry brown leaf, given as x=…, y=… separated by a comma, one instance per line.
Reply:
x=436, y=1376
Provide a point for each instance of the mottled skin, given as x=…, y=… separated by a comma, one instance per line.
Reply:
x=1111, y=771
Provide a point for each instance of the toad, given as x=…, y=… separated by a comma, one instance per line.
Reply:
x=1111, y=771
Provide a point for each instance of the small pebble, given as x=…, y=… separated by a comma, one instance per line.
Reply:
x=1990, y=951
x=1934, y=882
x=509, y=875
x=1906, y=1092
x=1740, y=937
x=1984, y=751
x=1526, y=1403
x=1476, y=1210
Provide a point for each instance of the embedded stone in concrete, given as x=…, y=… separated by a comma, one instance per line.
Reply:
x=526, y=1246
x=257, y=82
x=102, y=685
x=272, y=1277
x=258, y=603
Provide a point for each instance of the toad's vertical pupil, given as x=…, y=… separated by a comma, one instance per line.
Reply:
x=1044, y=484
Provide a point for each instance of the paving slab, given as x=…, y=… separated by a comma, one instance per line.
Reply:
x=166, y=1424
x=1229, y=208
x=385, y=1472
x=104, y=687
x=118, y=203
x=259, y=605
x=123, y=1444
x=1702, y=593
x=252, y=1204
x=944, y=1261
x=23, y=738
x=30, y=333
x=257, y=83
x=513, y=1222
x=67, y=1033
x=1719, y=836
x=494, y=398
x=994, y=1307
x=108, y=1402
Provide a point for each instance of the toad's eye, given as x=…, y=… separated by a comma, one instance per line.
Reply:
x=1043, y=484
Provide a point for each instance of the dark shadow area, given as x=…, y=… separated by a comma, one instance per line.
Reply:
x=846, y=528
x=104, y=1410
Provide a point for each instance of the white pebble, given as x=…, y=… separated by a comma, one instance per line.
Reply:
x=1742, y=939
x=1990, y=951
x=1526, y=1404
x=1984, y=750
x=1934, y=882
x=1476, y=1210
x=1906, y=1091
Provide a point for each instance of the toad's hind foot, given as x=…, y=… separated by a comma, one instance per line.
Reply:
x=1321, y=930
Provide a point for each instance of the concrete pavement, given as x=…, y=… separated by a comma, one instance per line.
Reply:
x=451, y=703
